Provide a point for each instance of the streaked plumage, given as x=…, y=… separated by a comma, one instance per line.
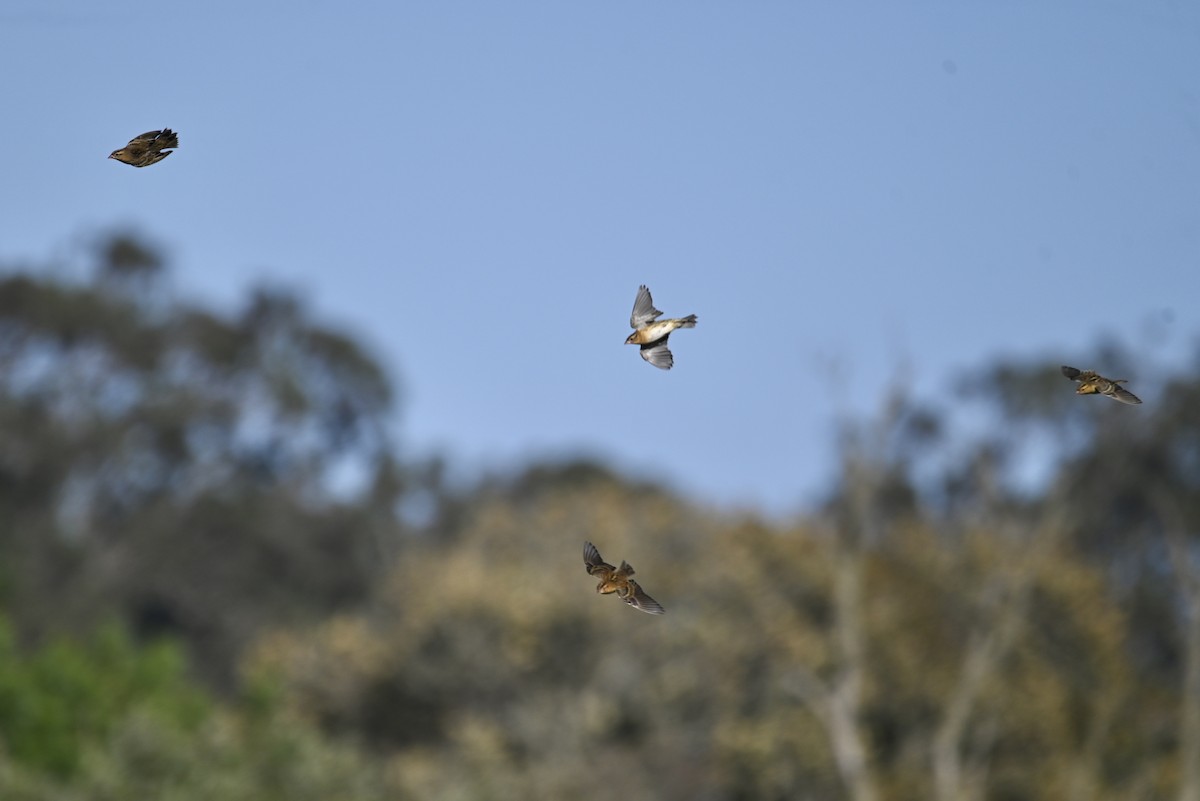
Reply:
x=651, y=333
x=1091, y=383
x=618, y=580
x=148, y=148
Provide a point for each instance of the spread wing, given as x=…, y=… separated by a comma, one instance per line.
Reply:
x=657, y=354
x=643, y=309
x=595, y=565
x=1070, y=372
x=153, y=140
x=638, y=599
x=142, y=142
x=1123, y=395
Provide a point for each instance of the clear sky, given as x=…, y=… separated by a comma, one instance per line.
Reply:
x=845, y=193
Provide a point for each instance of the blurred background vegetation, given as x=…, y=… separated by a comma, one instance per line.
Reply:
x=220, y=578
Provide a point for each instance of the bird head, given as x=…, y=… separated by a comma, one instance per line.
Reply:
x=631, y=339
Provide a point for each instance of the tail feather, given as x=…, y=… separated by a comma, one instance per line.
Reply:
x=689, y=321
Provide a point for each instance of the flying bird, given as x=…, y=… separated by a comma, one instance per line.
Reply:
x=617, y=579
x=1091, y=383
x=148, y=148
x=651, y=333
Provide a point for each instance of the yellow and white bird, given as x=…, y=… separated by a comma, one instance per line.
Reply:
x=1091, y=383
x=651, y=333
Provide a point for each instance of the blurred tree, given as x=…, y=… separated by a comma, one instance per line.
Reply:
x=874, y=652
x=60, y=697
x=185, y=468
x=1125, y=490
x=943, y=627
x=905, y=643
x=105, y=719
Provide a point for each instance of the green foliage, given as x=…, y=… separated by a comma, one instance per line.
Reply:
x=65, y=695
x=106, y=719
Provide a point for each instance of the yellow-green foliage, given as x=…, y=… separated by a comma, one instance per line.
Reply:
x=489, y=668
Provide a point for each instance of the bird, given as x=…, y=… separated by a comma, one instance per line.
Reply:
x=651, y=333
x=618, y=580
x=1092, y=383
x=148, y=148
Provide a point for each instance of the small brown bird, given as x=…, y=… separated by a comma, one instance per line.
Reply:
x=1091, y=383
x=617, y=579
x=652, y=335
x=148, y=148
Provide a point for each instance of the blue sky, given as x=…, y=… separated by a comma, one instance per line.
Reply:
x=846, y=194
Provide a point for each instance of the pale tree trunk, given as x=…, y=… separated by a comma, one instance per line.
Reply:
x=959, y=765
x=845, y=694
x=957, y=772
x=845, y=698
x=837, y=703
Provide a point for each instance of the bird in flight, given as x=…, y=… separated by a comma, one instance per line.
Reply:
x=651, y=333
x=1091, y=383
x=148, y=148
x=618, y=580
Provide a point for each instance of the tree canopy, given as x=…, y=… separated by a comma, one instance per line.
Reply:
x=211, y=590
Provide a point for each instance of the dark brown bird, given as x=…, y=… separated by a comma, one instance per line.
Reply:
x=1091, y=383
x=617, y=579
x=148, y=148
x=651, y=335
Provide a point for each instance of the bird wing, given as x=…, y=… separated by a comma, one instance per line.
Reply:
x=143, y=141
x=595, y=565
x=658, y=354
x=1123, y=395
x=1070, y=372
x=638, y=599
x=153, y=140
x=643, y=309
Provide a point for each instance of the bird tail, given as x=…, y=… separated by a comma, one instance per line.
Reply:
x=688, y=322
